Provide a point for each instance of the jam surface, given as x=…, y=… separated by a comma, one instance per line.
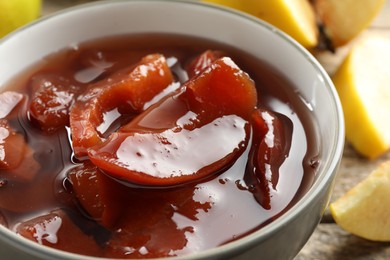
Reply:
x=172, y=167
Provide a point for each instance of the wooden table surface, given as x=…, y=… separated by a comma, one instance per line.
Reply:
x=329, y=241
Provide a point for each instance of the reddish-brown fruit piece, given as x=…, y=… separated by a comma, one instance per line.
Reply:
x=51, y=101
x=12, y=147
x=159, y=233
x=85, y=183
x=57, y=230
x=18, y=166
x=209, y=111
x=201, y=62
x=124, y=210
x=27, y=169
x=270, y=147
x=128, y=90
x=221, y=89
x=16, y=156
x=103, y=198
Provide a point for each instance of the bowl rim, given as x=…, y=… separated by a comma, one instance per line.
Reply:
x=328, y=173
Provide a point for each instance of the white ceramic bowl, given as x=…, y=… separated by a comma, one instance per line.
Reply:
x=284, y=237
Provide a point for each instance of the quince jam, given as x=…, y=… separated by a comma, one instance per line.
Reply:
x=149, y=146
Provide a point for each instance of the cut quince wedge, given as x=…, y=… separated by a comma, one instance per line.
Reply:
x=362, y=82
x=343, y=20
x=365, y=209
x=295, y=17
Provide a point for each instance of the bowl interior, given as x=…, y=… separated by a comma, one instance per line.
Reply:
x=109, y=18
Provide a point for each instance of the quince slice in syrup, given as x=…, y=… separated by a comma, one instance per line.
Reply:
x=128, y=90
x=205, y=127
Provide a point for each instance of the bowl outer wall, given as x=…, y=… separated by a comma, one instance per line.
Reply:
x=284, y=237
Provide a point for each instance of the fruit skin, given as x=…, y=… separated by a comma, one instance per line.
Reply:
x=16, y=13
x=343, y=20
x=362, y=85
x=295, y=17
x=364, y=210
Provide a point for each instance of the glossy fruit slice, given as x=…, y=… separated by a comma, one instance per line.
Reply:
x=174, y=156
x=124, y=209
x=201, y=62
x=128, y=91
x=12, y=147
x=221, y=89
x=115, y=197
x=53, y=96
x=103, y=199
x=363, y=210
x=57, y=230
x=160, y=233
x=16, y=156
x=270, y=147
x=208, y=134
x=85, y=183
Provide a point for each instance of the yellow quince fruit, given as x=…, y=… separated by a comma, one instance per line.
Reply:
x=343, y=20
x=362, y=82
x=365, y=209
x=16, y=13
x=294, y=17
